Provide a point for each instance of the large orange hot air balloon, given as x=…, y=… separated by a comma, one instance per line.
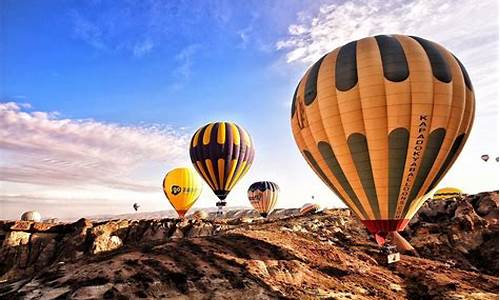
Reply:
x=381, y=120
x=222, y=153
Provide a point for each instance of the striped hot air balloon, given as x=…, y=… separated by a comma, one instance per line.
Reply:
x=381, y=120
x=182, y=187
x=222, y=153
x=447, y=192
x=263, y=196
x=309, y=208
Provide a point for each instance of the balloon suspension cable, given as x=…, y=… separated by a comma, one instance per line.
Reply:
x=402, y=244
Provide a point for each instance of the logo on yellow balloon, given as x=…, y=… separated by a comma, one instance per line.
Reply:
x=176, y=190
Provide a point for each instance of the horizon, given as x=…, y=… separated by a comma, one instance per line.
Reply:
x=98, y=103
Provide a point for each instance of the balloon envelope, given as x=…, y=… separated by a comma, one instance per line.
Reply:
x=222, y=153
x=182, y=187
x=33, y=216
x=381, y=120
x=485, y=157
x=447, y=192
x=309, y=208
x=263, y=196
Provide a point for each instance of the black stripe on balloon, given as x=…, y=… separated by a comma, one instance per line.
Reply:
x=315, y=166
x=215, y=152
x=294, y=100
x=398, y=147
x=440, y=68
x=430, y=154
x=228, y=150
x=346, y=73
x=311, y=88
x=393, y=58
x=454, y=152
x=468, y=83
x=202, y=153
x=361, y=157
x=242, y=155
x=263, y=186
x=331, y=160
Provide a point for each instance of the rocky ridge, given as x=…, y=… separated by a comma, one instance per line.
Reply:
x=325, y=255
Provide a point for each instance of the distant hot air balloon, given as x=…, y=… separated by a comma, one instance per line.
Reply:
x=222, y=153
x=381, y=120
x=32, y=215
x=200, y=215
x=182, y=186
x=263, y=196
x=309, y=208
x=136, y=206
x=485, y=157
x=496, y=159
x=447, y=192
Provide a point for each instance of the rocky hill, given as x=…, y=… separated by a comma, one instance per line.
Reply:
x=327, y=255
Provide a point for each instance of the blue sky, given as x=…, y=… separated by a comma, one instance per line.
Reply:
x=92, y=87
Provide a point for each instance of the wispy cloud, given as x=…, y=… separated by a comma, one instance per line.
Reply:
x=40, y=148
x=454, y=23
x=466, y=27
x=182, y=73
x=87, y=31
x=142, y=48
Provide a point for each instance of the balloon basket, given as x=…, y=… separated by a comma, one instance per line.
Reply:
x=391, y=253
x=220, y=207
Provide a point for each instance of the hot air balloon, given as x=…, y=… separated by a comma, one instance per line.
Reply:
x=447, y=192
x=182, y=186
x=485, y=157
x=496, y=159
x=381, y=120
x=309, y=208
x=200, y=215
x=263, y=196
x=222, y=153
x=32, y=216
x=136, y=206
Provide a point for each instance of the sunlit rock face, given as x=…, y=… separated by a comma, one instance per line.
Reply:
x=327, y=254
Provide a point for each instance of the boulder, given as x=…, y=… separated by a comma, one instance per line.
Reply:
x=16, y=238
x=105, y=243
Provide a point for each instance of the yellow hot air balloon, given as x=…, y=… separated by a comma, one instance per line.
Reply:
x=263, y=196
x=222, y=153
x=381, y=120
x=447, y=192
x=182, y=186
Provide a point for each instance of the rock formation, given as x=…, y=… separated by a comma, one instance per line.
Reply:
x=323, y=255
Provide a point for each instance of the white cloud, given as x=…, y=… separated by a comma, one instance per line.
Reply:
x=143, y=48
x=453, y=23
x=467, y=28
x=41, y=149
x=182, y=73
x=87, y=31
